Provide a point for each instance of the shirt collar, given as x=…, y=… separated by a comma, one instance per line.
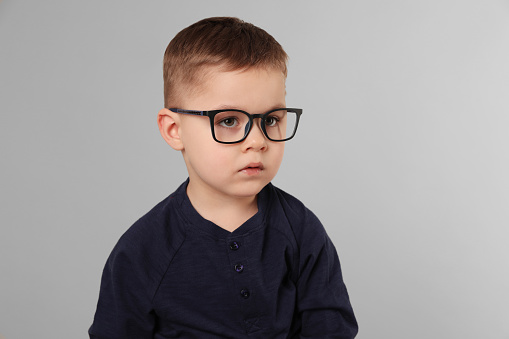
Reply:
x=196, y=221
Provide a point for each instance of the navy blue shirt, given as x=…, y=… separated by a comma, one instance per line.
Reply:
x=174, y=274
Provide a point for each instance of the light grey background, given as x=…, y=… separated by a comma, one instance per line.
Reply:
x=402, y=151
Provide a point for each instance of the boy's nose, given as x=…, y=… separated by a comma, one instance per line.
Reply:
x=255, y=140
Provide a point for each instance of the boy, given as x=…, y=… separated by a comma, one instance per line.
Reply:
x=227, y=255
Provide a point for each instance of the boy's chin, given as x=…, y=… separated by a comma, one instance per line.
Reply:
x=243, y=189
x=248, y=191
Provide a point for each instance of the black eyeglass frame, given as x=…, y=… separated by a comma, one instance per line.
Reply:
x=213, y=113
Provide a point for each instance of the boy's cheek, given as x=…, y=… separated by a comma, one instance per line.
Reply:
x=210, y=159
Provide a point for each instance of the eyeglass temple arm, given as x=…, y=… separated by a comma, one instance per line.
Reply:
x=187, y=111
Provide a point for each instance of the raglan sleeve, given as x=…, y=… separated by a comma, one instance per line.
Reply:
x=323, y=305
x=124, y=309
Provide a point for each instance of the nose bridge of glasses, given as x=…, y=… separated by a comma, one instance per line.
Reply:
x=253, y=122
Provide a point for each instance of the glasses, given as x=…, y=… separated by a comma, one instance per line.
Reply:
x=230, y=126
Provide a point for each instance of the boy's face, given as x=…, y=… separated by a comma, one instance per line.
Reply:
x=232, y=170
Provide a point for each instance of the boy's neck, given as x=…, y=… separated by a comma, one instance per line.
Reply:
x=225, y=211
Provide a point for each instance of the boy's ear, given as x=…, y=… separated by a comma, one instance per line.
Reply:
x=169, y=126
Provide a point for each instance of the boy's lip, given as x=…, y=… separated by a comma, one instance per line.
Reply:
x=253, y=166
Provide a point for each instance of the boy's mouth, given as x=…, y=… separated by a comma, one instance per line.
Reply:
x=252, y=169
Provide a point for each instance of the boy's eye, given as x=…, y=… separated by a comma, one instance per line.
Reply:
x=228, y=122
x=271, y=121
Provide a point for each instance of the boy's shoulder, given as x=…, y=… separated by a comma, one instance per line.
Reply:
x=289, y=214
x=157, y=234
x=289, y=202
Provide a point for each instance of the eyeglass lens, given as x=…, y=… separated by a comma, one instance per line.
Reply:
x=231, y=126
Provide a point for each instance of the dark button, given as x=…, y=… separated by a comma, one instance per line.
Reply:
x=234, y=245
x=239, y=268
x=244, y=293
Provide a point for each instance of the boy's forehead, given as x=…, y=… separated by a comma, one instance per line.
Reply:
x=218, y=81
x=210, y=73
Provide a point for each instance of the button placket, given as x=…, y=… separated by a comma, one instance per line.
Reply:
x=237, y=256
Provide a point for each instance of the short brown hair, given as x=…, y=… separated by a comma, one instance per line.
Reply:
x=225, y=42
